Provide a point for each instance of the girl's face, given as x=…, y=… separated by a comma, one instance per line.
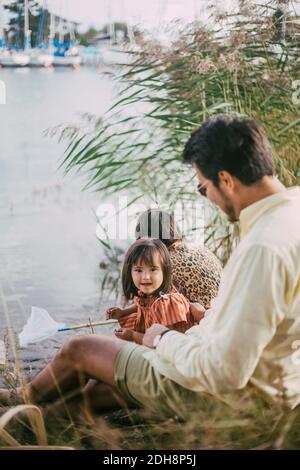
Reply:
x=147, y=279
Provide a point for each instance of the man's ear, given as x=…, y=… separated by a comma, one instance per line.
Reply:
x=226, y=180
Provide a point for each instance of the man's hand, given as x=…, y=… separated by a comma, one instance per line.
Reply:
x=114, y=312
x=151, y=332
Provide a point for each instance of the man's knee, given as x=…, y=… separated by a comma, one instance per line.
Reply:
x=80, y=352
x=72, y=350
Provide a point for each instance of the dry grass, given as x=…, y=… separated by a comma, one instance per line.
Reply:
x=209, y=424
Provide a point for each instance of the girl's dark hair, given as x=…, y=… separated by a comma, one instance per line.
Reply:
x=144, y=250
x=155, y=223
x=233, y=144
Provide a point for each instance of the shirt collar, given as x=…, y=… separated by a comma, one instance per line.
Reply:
x=255, y=211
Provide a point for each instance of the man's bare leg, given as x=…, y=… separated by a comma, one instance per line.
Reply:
x=96, y=397
x=79, y=359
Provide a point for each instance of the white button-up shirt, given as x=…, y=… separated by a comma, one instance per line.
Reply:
x=252, y=331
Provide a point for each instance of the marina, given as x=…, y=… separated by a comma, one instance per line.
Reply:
x=52, y=42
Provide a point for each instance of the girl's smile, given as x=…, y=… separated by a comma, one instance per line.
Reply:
x=147, y=278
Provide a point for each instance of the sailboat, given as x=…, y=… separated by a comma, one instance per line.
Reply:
x=39, y=57
x=65, y=53
x=57, y=52
x=119, y=48
x=10, y=58
x=28, y=56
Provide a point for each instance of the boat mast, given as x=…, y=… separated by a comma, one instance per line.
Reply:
x=41, y=27
x=129, y=28
x=61, y=30
x=1, y=25
x=27, y=32
x=60, y=25
x=52, y=31
x=111, y=25
x=72, y=32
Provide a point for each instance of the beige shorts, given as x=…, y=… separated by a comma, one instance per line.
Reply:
x=145, y=387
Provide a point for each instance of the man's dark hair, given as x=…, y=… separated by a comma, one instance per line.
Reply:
x=231, y=143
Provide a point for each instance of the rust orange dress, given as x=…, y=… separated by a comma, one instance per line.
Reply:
x=171, y=310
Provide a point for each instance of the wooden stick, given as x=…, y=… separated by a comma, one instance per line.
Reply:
x=87, y=325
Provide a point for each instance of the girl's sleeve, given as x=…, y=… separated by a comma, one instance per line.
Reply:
x=171, y=309
x=129, y=321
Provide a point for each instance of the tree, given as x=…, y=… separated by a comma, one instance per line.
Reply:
x=88, y=37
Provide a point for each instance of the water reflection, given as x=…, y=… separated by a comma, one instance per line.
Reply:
x=49, y=254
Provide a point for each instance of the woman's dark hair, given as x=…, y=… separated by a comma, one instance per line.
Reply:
x=155, y=223
x=144, y=250
x=233, y=144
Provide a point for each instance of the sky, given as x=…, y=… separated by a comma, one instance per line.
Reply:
x=149, y=13
x=146, y=13
x=152, y=15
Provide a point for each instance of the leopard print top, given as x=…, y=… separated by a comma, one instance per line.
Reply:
x=196, y=272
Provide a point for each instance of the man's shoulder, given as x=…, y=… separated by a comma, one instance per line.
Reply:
x=272, y=240
x=278, y=230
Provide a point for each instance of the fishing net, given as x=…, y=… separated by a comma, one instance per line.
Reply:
x=39, y=326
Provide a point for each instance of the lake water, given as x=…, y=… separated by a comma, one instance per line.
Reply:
x=49, y=253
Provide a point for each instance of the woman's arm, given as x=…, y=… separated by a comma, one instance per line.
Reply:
x=117, y=312
x=197, y=310
x=181, y=327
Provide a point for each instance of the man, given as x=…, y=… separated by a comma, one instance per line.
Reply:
x=251, y=333
x=252, y=330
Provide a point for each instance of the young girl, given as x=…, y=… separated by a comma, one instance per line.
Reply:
x=146, y=278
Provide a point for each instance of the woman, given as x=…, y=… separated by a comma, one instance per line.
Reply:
x=196, y=270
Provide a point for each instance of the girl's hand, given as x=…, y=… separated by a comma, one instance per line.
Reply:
x=129, y=335
x=114, y=312
x=121, y=333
